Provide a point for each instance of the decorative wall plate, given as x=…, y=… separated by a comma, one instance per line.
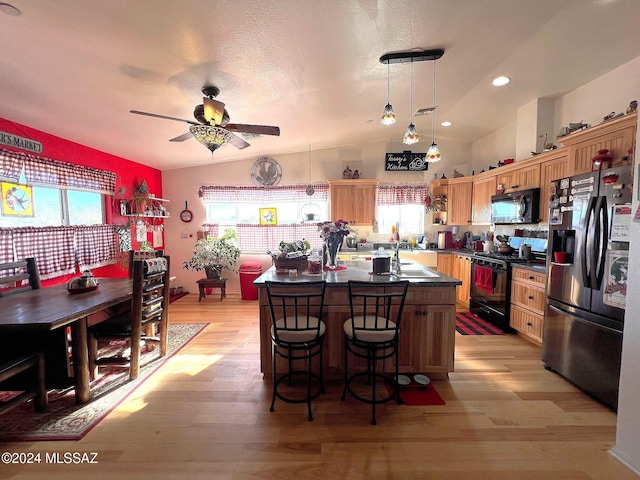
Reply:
x=265, y=172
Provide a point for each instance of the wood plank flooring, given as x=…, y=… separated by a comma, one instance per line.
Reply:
x=205, y=415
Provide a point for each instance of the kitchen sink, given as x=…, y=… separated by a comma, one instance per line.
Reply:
x=417, y=274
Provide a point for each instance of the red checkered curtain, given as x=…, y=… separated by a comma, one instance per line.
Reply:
x=51, y=246
x=254, y=237
x=211, y=229
x=46, y=172
x=402, y=194
x=96, y=245
x=7, y=253
x=219, y=193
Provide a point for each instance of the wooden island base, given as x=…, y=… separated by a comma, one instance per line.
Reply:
x=427, y=331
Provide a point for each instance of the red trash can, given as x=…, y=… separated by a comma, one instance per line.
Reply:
x=249, y=271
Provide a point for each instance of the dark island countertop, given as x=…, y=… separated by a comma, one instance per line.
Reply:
x=361, y=270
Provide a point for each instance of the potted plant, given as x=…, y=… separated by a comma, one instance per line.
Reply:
x=214, y=254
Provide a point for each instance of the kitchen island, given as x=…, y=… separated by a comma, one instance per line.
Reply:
x=427, y=331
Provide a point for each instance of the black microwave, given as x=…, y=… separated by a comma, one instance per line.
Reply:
x=516, y=207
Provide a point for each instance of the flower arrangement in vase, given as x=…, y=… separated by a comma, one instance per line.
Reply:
x=333, y=234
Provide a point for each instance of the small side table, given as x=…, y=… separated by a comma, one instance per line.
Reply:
x=204, y=283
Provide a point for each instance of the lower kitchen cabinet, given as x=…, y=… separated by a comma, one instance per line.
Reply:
x=445, y=263
x=527, y=303
x=462, y=271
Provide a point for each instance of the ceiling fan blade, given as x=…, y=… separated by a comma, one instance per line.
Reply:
x=257, y=129
x=213, y=110
x=238, y=142
x=138, y=112
x=182, y=138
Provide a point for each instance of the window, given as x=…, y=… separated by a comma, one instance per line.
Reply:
x=57, y=207
x=403, y=204
x=239, y=208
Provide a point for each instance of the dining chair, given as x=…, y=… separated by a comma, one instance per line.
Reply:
x=297, y=336
x=149, y=305
x=371, y=333
x=21, y=371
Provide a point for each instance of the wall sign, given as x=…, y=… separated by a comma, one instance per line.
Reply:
x=406, y=162
x=17, y=200
x=22, y=143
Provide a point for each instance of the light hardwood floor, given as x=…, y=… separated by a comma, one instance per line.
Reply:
x=205, y=415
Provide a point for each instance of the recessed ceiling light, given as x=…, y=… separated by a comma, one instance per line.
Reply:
x=501, y=81
x=9, y=10
x=446, y=124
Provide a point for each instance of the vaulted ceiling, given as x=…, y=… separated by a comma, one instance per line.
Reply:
x=75, y=68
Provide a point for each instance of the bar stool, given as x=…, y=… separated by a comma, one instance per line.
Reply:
x=372, y=334
x=297, y=335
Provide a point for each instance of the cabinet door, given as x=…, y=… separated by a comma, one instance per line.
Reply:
x=459, y=203
x=364, y=204
x=549, y=171
x=617, y=142
x=342, y=203
x=482, y=191
x=462, y=271
x=445, y=263
x=520, y=178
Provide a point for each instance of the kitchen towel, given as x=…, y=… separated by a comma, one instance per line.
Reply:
x=483, y=278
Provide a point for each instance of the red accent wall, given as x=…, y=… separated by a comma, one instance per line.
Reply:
x=129, y=174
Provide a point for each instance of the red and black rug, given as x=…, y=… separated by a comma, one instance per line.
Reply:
x=469, y=324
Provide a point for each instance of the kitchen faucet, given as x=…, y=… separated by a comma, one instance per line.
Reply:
x=399, y=245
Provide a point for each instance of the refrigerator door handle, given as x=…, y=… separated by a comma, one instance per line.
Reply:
x=586, y=265
x=602, y=235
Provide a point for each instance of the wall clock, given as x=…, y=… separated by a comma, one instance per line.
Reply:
x=186, y=215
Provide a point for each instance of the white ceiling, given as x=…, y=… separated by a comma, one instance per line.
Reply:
x=74, y=68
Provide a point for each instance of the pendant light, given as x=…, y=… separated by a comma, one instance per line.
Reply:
x=388, y=117
x=433, y=154
x=411, y=135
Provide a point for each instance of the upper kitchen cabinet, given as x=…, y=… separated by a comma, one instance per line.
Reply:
x=483, y=188
x=518, y=177
x=459, y=201
x=353, y=201
x=553, y=166
x=617, y=136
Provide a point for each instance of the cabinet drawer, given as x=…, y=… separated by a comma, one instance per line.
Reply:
x=528, y=276
x=528, y=297
x=526, y=322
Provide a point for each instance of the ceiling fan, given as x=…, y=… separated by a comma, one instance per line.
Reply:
x=212, y=128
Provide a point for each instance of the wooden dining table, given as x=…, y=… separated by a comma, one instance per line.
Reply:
x=51, y=308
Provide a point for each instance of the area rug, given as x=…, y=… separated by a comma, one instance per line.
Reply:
x=415, y=394
x=66, y=420
x=469, y=324
x=177, y=296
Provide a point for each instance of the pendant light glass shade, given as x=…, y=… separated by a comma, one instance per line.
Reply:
x=433, y=154
x=411, y=135
x=388, y=117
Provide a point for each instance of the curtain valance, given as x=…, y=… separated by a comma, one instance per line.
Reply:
x=41, y=171
x=215, y=193
x=402, y=194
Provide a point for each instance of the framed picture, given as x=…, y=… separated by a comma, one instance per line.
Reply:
x=17, y=200
x=268, y=216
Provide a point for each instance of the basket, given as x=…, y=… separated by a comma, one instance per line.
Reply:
x=299, y=263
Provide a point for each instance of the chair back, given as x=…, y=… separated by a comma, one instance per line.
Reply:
x=17, y=277
x=296, y=310
x=142, y=255
x=150, y=299
x=376, y=308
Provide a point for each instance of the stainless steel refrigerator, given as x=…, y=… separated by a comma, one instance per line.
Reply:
x=584, y=319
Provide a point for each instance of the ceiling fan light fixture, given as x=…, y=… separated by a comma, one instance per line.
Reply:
x=411, y=135
x=211, y=137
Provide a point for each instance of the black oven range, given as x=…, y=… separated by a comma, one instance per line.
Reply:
x=491, y=286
